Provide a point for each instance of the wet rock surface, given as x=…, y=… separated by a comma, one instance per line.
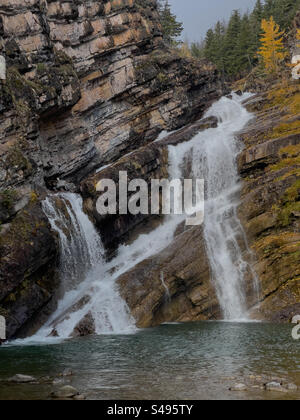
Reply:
x=186, y=274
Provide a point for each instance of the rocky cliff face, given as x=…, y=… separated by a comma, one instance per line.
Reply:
x=81, y=84
x=88, y=82
x=270, y=208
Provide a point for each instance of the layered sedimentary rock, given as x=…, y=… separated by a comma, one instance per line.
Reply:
x=94, y=74
x=270, y=208
x=173, y=285
x=81, y=84
x=28, y=279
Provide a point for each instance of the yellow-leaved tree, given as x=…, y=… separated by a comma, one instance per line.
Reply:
x=272, y=48
x=298, y=36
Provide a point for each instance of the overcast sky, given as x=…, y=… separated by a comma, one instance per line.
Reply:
x=199, y=15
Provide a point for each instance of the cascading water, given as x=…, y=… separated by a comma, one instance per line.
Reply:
x=94, y=280
x=82, y=271
x=213, y=154
x=80, y=245
x=89, y=283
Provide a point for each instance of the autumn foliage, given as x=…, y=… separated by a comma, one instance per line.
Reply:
x=272, y=49
x=298, y=36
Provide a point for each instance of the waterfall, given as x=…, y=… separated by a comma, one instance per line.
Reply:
x=82, y=262
x=86, y=287
x=80, y=245
x=213, y=156
x=167, y=291
x=89, y=282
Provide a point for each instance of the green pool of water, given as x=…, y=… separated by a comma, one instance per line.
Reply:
x=174, y=361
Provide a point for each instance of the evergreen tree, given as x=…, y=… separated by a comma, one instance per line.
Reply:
x=231, y=47
x=255, y=28
x=269, y=8
x=284, y=12
x=244, y=46
x=197, y=50
x=258, y=11
x=209, y=45
x=171, y=28
x=219, y=47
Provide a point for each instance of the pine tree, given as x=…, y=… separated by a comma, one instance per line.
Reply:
x=209, y=45
x=255, y=22
x=258, y=10
x=269, y=8
x=283, y=12
x=271, y=50
x=219, y=47
x=231, y=48
x=244, y=44
x=197, y=50
x=214, y=46
x=171, y=28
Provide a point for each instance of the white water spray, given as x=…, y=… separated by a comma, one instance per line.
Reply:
x=86, y=286
x=213, y=155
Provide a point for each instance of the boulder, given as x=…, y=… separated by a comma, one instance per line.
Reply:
x=291, y=387
x=238, y=388
x=275, y=387
x=66, y=391
x=85, y=327
x=22, y=379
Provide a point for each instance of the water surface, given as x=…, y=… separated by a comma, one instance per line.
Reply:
x=174, y=361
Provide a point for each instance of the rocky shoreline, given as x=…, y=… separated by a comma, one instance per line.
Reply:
x=61, y=388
